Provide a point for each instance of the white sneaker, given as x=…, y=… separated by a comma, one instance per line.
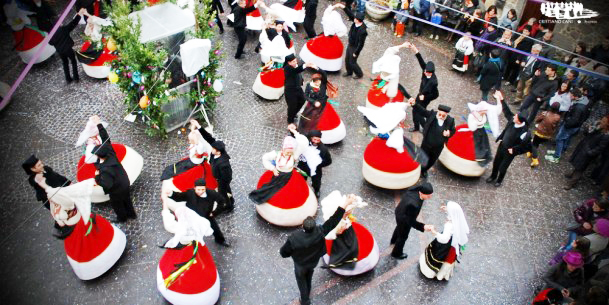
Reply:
x=431, y=36
x=437, y=37
x=507, y=83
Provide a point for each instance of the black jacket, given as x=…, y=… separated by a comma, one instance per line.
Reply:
x=44, y=14
x=588, y=149
x=490, y=75
x=53, y=179
x=516, y=138
x=240, y=14
x=62, y=41
x=311, y=9
x=544, y=87
x=576, y=115
x=409, y=208
x=357, y=38
x=435, y=140
x=293, y=79
x=428, y=86
x=204, y=206
x=306, y=248
x=220, y=167
x=112, y=176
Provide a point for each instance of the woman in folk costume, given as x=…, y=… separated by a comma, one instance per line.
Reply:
x=93, y=245
x=391, y=161
x=290, y=11
x=253, y=20
x=469, y=151
x=131, y=160
x=269, y=83
x=326, y=50
x=275, y=41
x=186, y=273
x=318, y=114
x=465, y=48
x=283, y=196
x=439, y=257
x=28, y=39
x=351, y=248
x=384, y=88
x=181, y=176
x=96, y=53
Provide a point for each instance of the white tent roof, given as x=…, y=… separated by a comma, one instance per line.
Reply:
x=163, y=20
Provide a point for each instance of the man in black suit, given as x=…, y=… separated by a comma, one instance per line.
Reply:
x=438, y=128
x=406, y=215
x=428, y=89
x=33, y=167
x=63, y=44
x=240, y=12
x=204, y=202
x=326, y=159
x=357, y=38
x=307, y=246
x=294, y=96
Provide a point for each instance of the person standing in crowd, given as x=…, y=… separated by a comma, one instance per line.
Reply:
x=44, y=14
x=310, y=17
x=469, y=6
x=63, y=43
x=514, y=140
x=204, y=202
x=542, y=89
x=572, y=121
x=326, y=159
x=421, y=10
x=406, y=214
x=220, y=167
x=546, y=124
x=306, y=247
x=509, y=20
x=548, y=51
x=517, y=61
x=600, y=52
x=439, y=127
x=428, y=89
x=111, y=175
x=34, y=167
x=294, y=96
x=588, y=149
x=490, y=33
x=490, y=74
x=240, y=11
x=357, y=38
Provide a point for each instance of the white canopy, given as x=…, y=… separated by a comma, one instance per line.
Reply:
x=195, y=55
x=163, y=20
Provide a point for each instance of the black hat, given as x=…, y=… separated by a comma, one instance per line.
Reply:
x=29, y=163
x=495, y=53
x=314, y=133
x=426, y=188
x=101, y=151
x=279, y=21
x=360, y=16
x=219, y=145
x=522, y=118
x=200, y=182
x=444, y=108
x=290, y=58
x=430, y=67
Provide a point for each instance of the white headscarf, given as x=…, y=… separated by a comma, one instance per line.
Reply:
x=189, y=226
x=492, y=114
x=460, y=227
x=389, y=63
x=330, y=204
x=89, y=131
x=332, y=23
x=75, y=195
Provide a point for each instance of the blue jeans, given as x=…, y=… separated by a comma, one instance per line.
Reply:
x=563, y=138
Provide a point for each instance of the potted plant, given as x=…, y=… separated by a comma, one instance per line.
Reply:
x=378, y=10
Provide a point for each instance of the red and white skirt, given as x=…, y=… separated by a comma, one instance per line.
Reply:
x=186, y=180
x=367, y=256
x=385, y=167
x=459, y=153
x=199, y=284
x=377, y=99
x=130, y=159
x=331, y=126
x=92, y=255
x=269, y=84
x=28, y=41
x=100, y=67
x=290, y=205
x=324, y=51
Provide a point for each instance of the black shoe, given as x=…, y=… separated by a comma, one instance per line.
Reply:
x=497, y=184
x=223, y=244
x=568, y=187
x=134, y=216
x=221, y=31
x=401, y=256
x=119, y=220
x=346, y=74
x=413, y=129
x=357, y=76
x=424, y=174
x=490, y=179
x=569, y=175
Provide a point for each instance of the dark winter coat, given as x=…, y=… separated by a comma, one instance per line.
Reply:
x=490, y=75
x=585, y=213
x=576, y=115
x=560, y=278
x=547, y=124
x=543, y=87
x=588, y=149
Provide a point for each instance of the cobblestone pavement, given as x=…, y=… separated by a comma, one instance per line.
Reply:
x=515, y=229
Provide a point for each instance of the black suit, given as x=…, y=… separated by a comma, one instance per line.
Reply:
x=406, y=215
x=53, y=179
x=204, y=206
x=429, y=89
x=222, y=171
x=357, y=38
x=326, y=159
x=294, y=96
x=239, y=25
x=310, y=16
x=113, y=179
x=306, y=248
x=216, y=5
x=63, y=43
x=433, y=135
x=44, y=14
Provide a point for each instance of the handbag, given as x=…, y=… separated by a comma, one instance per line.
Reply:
x=331, y=90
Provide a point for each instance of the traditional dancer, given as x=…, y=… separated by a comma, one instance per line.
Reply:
x=357, y=38
x=384, y=89
x=92, y=244
x=181, y=176
x=290, y=11
x=318, y=114
x=391, y=161
x=282, y=196
x=64, y=43
x=480, y=114
x=438, y=128
x=465, y=48
x=294, y=96
x=95, y=55
x=253, y=19
x=315, y=136
x=326, y=50
x=350, y=247
x=269, y=83
x=28, y=39
x=33, y=167
x=406, y=214
x=240, y=12
x=187, y=273
x=306, y=247
x=439, y=257
x=428, y=89
x=275, y=41
x=90, y=138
